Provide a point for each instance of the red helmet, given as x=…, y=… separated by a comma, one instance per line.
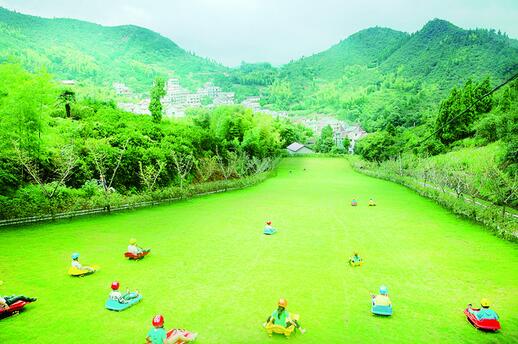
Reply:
x=268, y=222
x=115, y=285
x=158, y=321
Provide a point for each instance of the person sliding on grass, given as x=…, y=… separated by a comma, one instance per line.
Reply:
x=355, y=258
x=157, y=334
x=77, y=265
x=7, y=301
x=371, y=203
x=281, y=317
x=116, y=295
x=134, y=249
x=354, y=203
x=382, y=299
x=484, y=312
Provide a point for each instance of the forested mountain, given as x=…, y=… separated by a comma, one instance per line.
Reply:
x=74, y=49
x=445, y=54
x=376, y=76
x=380, y=76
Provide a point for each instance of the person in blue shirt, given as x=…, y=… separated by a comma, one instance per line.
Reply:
x=484, y=312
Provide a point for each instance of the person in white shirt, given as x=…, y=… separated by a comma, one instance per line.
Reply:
x=116, y=295
x=77, y=265
x=133, y=248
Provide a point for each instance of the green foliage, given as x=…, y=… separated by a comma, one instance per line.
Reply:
x=326, y=142
x=155, y=104
x=121, y=151
x=73, y=49
x=378, y=146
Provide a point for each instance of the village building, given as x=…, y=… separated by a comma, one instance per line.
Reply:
x=298, y=148
x=121, y=89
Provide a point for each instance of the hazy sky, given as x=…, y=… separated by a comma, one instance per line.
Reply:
x=276, y=31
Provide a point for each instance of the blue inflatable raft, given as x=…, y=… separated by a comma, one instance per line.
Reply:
x=114, y=305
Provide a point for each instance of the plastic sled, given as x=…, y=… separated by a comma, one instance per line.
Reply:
x=354, y=264
x=73, y=271
x=114, y=305
x=372, y=204
x=269, y=231
x=382, y=309
x=139, y=256
x=484, y=324
x=187, y=336
x=279, y=329
x=13, y=309
x=354, y=204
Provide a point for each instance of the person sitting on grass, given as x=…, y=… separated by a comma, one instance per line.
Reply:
x=355, y=258
x=484, y=312
x=268, y=229
x=7, y=301
x=77, y=265
x=371, y=203
x=157, y=334
x=354, y=203
x=281, y=317
x=116, y=295
x=382, y=299
x=135, y=249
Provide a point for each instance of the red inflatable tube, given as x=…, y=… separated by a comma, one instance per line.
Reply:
x=484, y=324
x=14, y=308
x=136, y=256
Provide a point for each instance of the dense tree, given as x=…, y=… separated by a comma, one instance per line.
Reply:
x=156, y=94
x=325, y=142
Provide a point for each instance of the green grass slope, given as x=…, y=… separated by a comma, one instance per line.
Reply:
x=213, y=271
x=74, y=49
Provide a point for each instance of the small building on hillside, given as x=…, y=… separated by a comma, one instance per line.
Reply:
x=298, y=148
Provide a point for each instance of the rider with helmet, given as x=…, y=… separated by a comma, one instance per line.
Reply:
x=268, y=229
x=157, y=334
x=382, y=299
x=281, y=317
x=484, y=312
x=355, y=258
x=116, y=295
x=77, y=265
x=134, y=248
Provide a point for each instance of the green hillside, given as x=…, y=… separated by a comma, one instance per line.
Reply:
x=74, y=49
x=445, y=54
x=380, y=76
x=375, y=76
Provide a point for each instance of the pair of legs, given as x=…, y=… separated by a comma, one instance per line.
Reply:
x=181, y=335
x=15, y=298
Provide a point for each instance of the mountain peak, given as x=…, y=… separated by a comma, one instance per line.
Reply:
x=438, y=26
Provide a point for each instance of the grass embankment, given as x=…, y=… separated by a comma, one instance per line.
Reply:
x=468, y=181
x=214, y=272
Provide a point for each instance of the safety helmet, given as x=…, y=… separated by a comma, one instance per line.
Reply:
x=484, y=302
x=268, y=222
x=75, y=255
x=115, y=285
x=133, y=241
x=283, y=303
x=355, y=253
x=158, y=321
x=383, y=290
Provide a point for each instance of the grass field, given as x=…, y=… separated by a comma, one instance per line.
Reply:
x=212, y=270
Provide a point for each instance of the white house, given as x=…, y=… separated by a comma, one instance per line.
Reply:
x=298, y=148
